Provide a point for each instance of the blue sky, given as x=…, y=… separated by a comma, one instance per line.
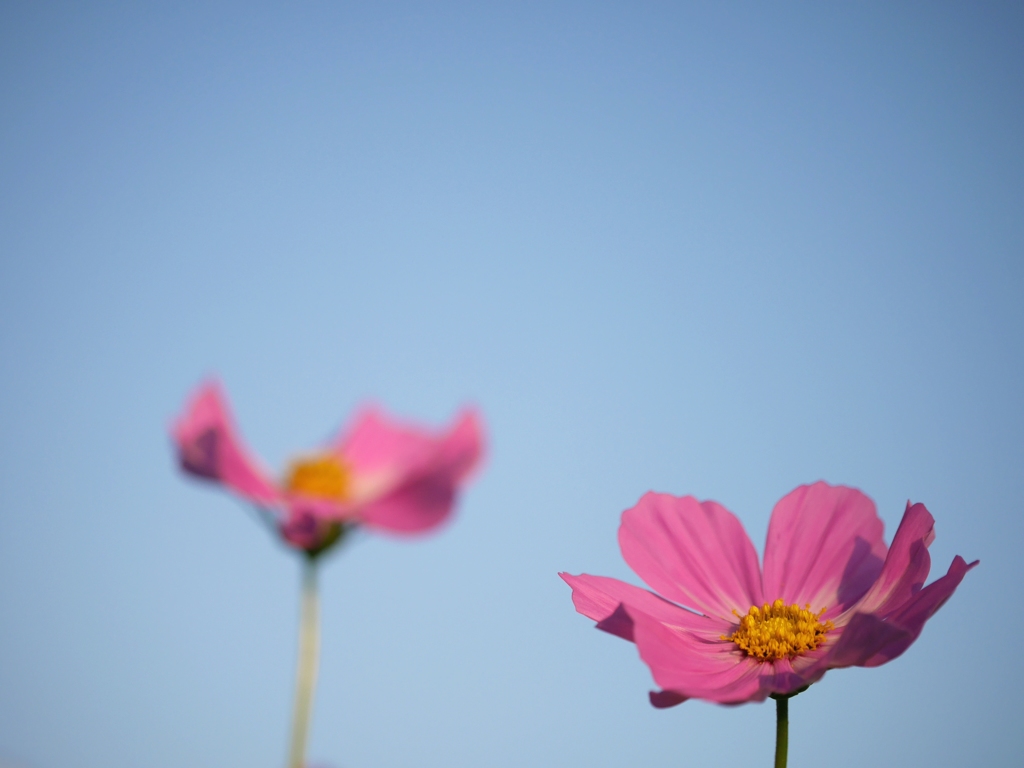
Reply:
x=708, y=251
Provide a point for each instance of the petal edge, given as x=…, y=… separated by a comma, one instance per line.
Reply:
x=208, y=447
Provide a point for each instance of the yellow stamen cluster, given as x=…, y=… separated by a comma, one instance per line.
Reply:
x=779, y=631
x=321, y=477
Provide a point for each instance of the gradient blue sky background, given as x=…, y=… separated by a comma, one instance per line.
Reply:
x=705, y=250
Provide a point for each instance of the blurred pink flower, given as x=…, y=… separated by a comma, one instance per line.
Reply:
x=831, y=593
x=378, y=473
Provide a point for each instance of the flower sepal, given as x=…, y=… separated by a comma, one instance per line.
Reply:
x=312, y=534
x=336, y=533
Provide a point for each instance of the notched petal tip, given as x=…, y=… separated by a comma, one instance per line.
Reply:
x=596, y=598
x=920, y=510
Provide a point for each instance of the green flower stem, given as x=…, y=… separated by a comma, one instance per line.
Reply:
x=781, y=730
x=309, y=651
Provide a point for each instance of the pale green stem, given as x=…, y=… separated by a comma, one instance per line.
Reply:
x=781, y=730
x=309, y=651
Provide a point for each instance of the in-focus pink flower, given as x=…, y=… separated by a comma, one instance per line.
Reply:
x=718, y=627
x=378, y=473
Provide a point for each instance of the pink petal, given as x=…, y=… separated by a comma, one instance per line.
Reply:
x=906, y=564
x=665, y=699
x=209, y=448
x=694, y=553
x=375, y=442
x=824, y=547
x=605, y=601
x=925, y=603
x=869, y=640
x=427, y=472
x=694, y=668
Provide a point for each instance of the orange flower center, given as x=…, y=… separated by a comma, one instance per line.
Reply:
x=322, y=477
x=779, y=631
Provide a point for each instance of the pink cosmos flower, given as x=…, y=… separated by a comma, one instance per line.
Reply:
x=378, y=473
x=719, y=628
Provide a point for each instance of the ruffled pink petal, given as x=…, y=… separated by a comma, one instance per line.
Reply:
x=605, y=600
x=864, y=637
x=871, y=639
x=694, y=668
x=906, y=564
x=694, y=553
x=922, y=606
x=209, y=448
x=426, y=476
x=824, y=547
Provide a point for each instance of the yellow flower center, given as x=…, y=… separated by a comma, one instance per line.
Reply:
x=321, y=477
x=779, y=631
